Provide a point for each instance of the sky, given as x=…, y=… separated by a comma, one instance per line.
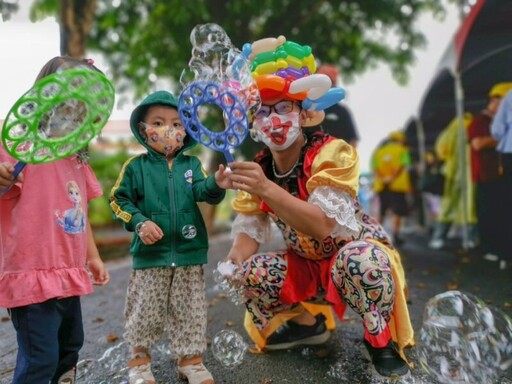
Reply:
x=378, y=104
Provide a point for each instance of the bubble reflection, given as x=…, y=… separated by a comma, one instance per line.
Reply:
x=229, y=348
x=110, y=368
x=462, y=340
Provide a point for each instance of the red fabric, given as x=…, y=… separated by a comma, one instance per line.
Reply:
x=303, y=279
x=379, y=341
x=461, y=36
x=485, y=164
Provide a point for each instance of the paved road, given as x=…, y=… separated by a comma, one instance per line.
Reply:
x=104, y=354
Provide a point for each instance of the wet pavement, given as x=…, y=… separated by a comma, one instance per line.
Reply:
x=428, y=272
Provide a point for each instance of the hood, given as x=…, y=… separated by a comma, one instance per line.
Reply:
x=156, y=98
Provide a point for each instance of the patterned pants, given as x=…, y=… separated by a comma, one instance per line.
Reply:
x=167, y=297
x=361, y=274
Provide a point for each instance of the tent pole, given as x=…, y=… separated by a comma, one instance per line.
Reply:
x=420, y=134
x=462, y=171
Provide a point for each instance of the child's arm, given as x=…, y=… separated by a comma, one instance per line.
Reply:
x=6, y=179
x=205, y=187
x=100, y=275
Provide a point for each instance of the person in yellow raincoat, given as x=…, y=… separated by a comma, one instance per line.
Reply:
x=390, y=164
x=448, y=149
x=336, y=255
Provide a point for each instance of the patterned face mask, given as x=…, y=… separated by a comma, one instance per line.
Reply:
x=164, y=139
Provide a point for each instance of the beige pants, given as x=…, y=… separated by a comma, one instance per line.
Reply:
x=167, y=297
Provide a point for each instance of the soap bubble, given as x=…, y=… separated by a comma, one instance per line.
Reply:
x=229, y=279
x=462, y=340
x=215, y=59
x=229, y=348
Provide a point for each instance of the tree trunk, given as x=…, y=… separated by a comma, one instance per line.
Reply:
x=75, y=23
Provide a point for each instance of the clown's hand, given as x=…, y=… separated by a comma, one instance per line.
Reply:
x=249, y=177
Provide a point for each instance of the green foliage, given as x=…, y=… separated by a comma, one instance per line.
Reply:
x=140, y=38
x=42, y=9
x=107, y=169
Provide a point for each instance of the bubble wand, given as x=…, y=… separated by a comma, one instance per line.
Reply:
x=57, y=117
x=221, y=77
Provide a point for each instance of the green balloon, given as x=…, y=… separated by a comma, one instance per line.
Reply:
x=58, y=116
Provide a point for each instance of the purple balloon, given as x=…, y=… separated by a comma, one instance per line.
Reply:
x=293, y=72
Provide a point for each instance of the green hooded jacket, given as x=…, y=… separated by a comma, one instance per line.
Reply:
x=147, y=189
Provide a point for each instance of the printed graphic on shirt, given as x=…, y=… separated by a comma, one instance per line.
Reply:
x=73, y=219
x=189, y=231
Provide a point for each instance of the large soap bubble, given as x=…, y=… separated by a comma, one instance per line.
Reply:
x=229, y=279
x=462, y=340
x=229, y=348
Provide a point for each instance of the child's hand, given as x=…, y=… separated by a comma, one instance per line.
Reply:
x=222, y=177
x=100, y=275
x=150, y=233
x=6, y=179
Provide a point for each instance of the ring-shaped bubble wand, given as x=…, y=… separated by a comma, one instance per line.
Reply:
x=234, y=111
x=57, y=117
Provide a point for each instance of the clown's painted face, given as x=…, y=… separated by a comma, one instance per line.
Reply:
x=163, y=129
x=278, y=129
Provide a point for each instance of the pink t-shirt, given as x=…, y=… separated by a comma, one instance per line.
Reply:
x=43, y=238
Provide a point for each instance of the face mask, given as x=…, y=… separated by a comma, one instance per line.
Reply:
x=165, y=140
x=276, y=131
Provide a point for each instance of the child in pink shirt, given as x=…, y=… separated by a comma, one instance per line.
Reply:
x=46, y=253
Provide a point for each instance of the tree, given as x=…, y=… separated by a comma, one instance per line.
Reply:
x=144, y=38
x=75, y=19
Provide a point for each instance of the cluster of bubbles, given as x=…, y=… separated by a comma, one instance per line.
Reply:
x=216, y=60
x=462, y=340
x=229, y=278
x=110, y=368
x=218, y=75
x=229, y=348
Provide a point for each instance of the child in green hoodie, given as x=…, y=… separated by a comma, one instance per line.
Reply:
x=156, y=196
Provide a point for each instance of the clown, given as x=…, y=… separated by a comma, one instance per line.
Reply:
x=306, y=183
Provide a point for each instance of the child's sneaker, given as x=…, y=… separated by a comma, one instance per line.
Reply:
x=139, y=369
x=68, y=377
x=195, y=374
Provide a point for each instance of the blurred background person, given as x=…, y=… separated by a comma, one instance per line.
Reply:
x=390, y=165
x=338, y=120
x=452, y=208
x=431, y=185
x=485, y=172
x=501, y=130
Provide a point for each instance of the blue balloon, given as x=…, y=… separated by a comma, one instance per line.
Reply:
x=331, y=97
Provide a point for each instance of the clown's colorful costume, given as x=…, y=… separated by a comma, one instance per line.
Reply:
x=355, y=265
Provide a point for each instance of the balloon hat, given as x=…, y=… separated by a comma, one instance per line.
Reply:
x=286, y=70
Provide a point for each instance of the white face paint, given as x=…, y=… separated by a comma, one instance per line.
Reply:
x=278, y=132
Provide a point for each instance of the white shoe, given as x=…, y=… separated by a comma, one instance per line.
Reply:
x=503, y=264
x=67, y=377
x=195, y=374
x=436, y=244
x=139, y=371
x=491, y=257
